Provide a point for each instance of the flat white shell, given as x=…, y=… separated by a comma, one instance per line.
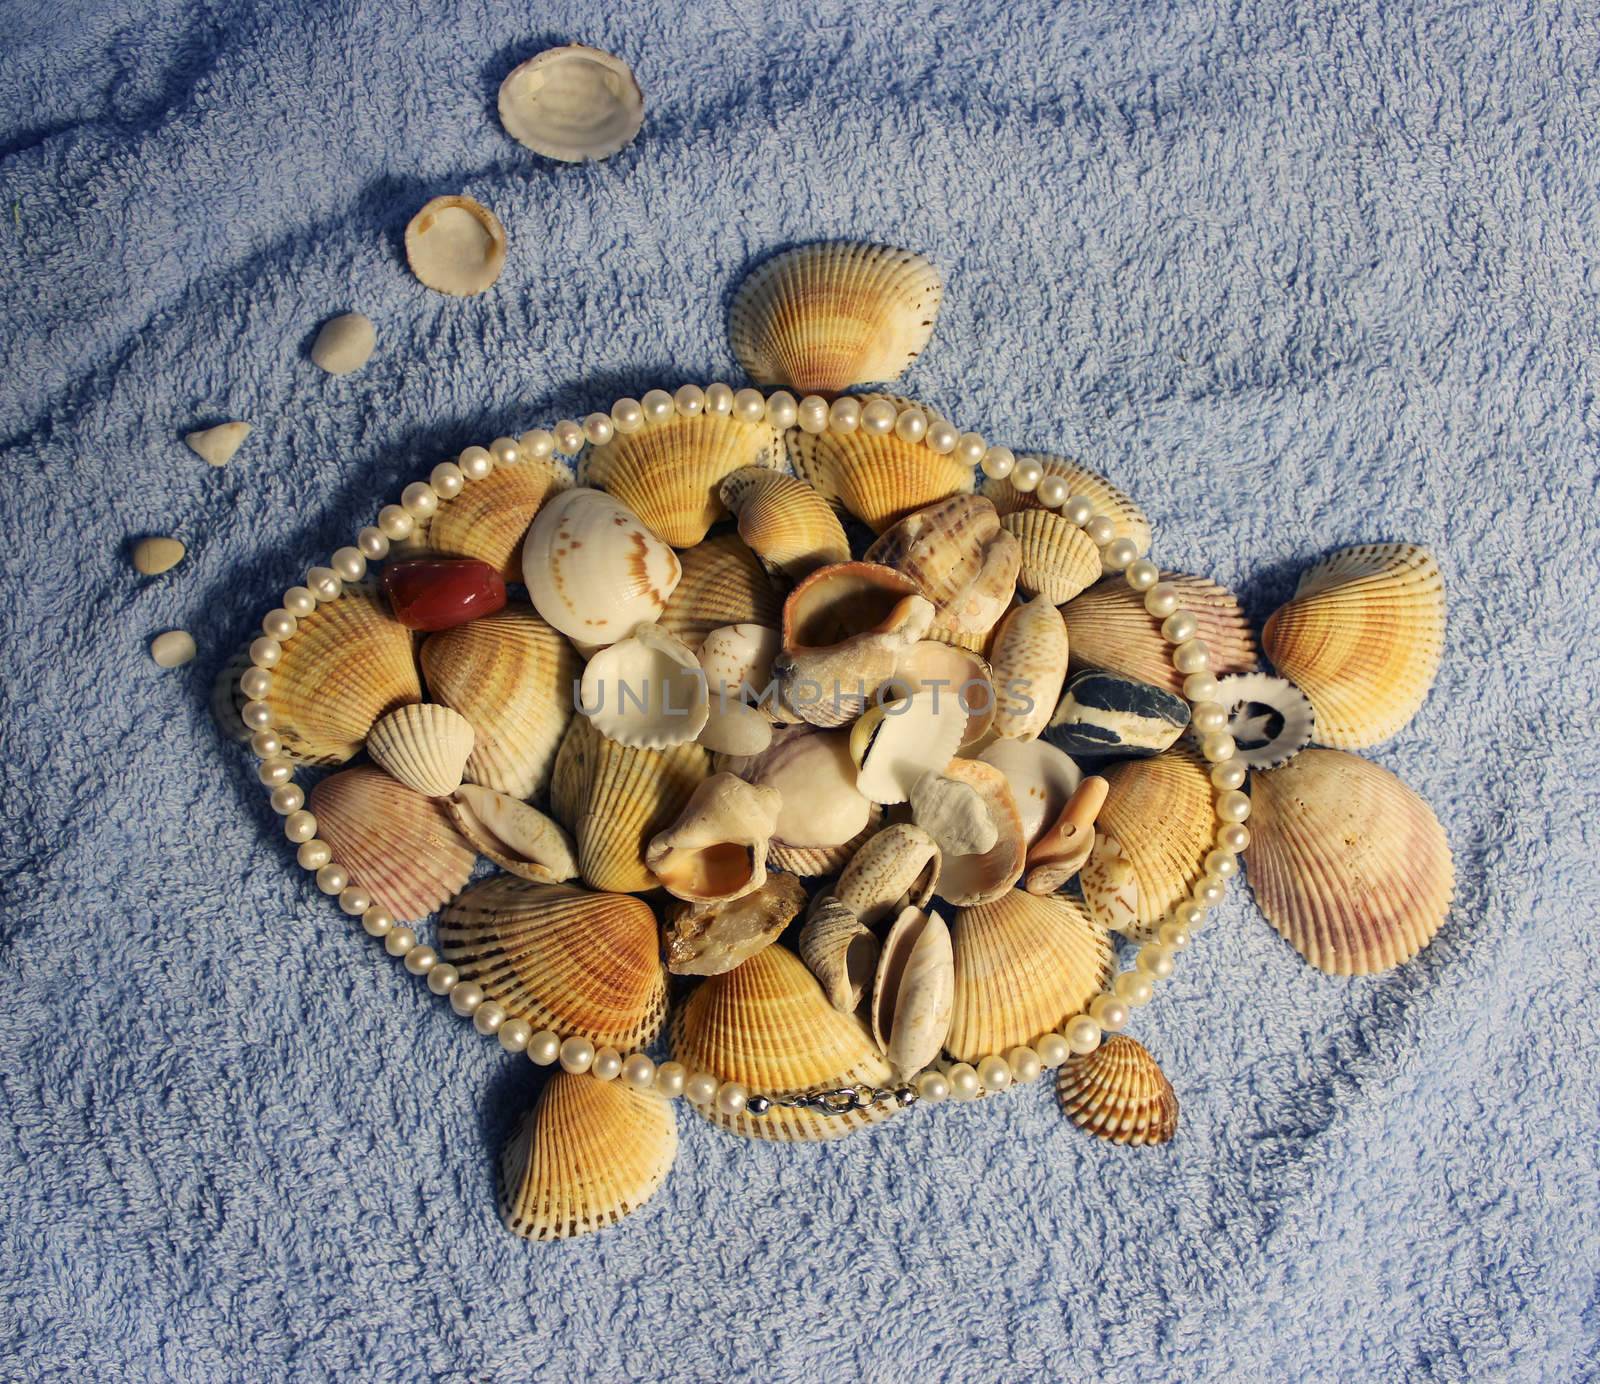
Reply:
x=457, y=246
x=217, y=445
x=896, y=744
x=572, y=103
x=646, y=691
x=1042, y=778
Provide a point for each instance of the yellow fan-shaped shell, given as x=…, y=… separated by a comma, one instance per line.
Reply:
x=1109, y=628
x=588, y=1153
x=349, y=663
x=1058, y=559
x=827, y=317
x=768, y=1025
x=790, y=527
x=1127, y=519
x=1349, y=864
x=489, y=519
x=562, y=958
x=1362, y=638
x=1118, y=1093
x=668, y=473
x=1024, y=964
x=722, y=584
x=511, y=675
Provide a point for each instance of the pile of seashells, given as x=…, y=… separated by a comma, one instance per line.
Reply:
x=790, y=706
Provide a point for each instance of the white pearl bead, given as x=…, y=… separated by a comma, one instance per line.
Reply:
x=378, y=922
x=348, y=563
x=1025, y=1065
x=314, y=854
x=1218, y=748
x=1173, y=935
x=1082, y=1035
x=1234, y=838
x=813, y=416
x=1185, y=915
x=1134, y=988
x=1110, y=1011
x=1223, y=864
x=569, y=437
x=599, y=428
x=1161, y=599
x=576, y=1055
x=689, y=399
x=1191, y=656
x=419, y=500
x=844, y=414
x=544, y=1048
x=941, y=437
x=627, y=415
x=970, y=447
x=964, y=1082
x=1052, y=1049
x=279, y=624
x=400, y=941
x=1233, y=806
x=354, y=901
x=719, y=399
x=514, y=1035
x=1229, y=773
x=443, y=978
x=488, y=1017
x=638, y=1071
x=396, y=523
x=373, y=542
x=911, y=425
x=420, y=960
x=265, y=652
x=475, y=464
x=265, y=744
x=448, y=481
x=288, y=799
x=782, y=410
x=658, y=405
x=1210, y=892
x=1207, y=718
x=1078, y=510
x=1120, y=552
x=1179, y=627
x=300, y=827
x=274, y=773
x=1052, y=492
x=1142, y=574
x=933, y=1087
x=325, y=583
x=878, y=416
x=994, y=1073
x=732, y=1098
x=1201, y=687
x=466, y=997
x=749, y=406
x=256, y=715
x=670, y=1076
x=606, y=1065
x=701, y=1088
x=537, y=444
x=255, y=683
x=1026, y=474
x=332, y=879
x=299, y=601
x=1156, y=959
x=506, y=451
x=1100, y=531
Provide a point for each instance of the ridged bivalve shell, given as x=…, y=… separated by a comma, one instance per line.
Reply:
x=646, y=691
x=1109, y=628
x=722, y=584
x=1118, y=1093
x=1127, y=519
x=424, y=745
x=790, y=527
x=572, y=103
x=1055, y=559
x=489, y=519
x=960, y=559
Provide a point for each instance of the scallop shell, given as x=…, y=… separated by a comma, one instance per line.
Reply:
x=613, y=798
x=647, y=691
x=397, y=845
x=913, y=991
x=1151, y=840
x=878, y=478
x=1362, y=638
x=1042, y=778
x=895, y=743
x=456, y=245
x=424, y=745
x=1108, y=627
x=564, y=959
x=1347, y=862
x=896, y=867
x=1023, y=965
x=717, y=849
x=1117, y=1092
x=1056, y=559
x=588, y=1153
x=227, y=700
x=767, y=1025
x=948, y=671
x=1270, y=719
x=980, y=876
x=350, y=663
x=513, y=834
x=593, y=569
x=960, y=559
x=723, y=584
x=1029, y=663
x=827, y=317
x=709, y=938
x=670, y=473
x=790, y=527
x=489, y=519
x=1064, y=849
x=1127, y=519
x=572, y=103
x=841, y=951
x=511, y=676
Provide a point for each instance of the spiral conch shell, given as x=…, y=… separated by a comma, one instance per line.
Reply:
x=670, y=473
x=767, y=1025
x=717, y=849
x=1029, y=662
x=1127, y=519
x=1362, y=638
x=564, y=959
x=588, y=1153
x=896, y=867
x=646, y=691
x=349, y=664
x=515, y=835
x=1109, y=628
x=826, y=317
x=1117, y=1092
x=1349, y=864
x=424, y=745
x=841, y=951
x=790, y=527
x=959, y=557
x=914, y=991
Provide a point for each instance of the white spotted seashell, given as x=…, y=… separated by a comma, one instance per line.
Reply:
x=647, y=691
x=424, y=745
x=572, y=103
x=738, y=660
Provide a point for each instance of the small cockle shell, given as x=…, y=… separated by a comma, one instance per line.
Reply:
x=572, y=103
x=216, y=446
x=350, y=663
x=613, y=798
x=1055, y=559
x=588, y=1153
x=841, y=951
x=593, y=570
x=879, y=478
x=960, y=559
x=896, y=867
x=1042, y=778
x=1127, y=520
x=914, y=991
x=722, y=584
x=767, y=1025
x=815, y=779
x=1063, y=849
x=717, y=849
x=670, y=473
x=578, y=963
x=954, y=814
x=710, y=937
x=647, y=690
x=1023, y=965
x=823, y=318
x=511, y=675
x=1349, y=864
x=1105, y=715
x=489, y=519
x=1109, y=628
x=1362, y=638
x=1117, y=1092
x=790, y=527
x=424, y=745
x=344, y=344
x=1270, y=719
x=398, y=845
x=947, y=671
x=515, y=835
x=977, y=877
x=1151, y=840
x=895, y=743
x=456, y=245
x=1029, y=664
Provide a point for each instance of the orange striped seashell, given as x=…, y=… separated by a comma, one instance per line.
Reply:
x=722, y=584
x=1127, y=518
x=489, y=518
x=1118, y=1093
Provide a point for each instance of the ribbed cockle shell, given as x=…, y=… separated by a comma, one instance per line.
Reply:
x=1118, y=1093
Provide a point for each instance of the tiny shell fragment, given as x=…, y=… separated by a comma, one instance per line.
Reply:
x=153, y=556
x=217, y=445
x=345, y=343
x=172, y=649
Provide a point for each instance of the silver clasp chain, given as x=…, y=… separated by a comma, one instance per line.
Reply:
x=840, y=1100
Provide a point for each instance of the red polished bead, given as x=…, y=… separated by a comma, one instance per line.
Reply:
x=439, y=593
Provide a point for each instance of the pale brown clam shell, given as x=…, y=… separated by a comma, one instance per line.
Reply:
x=841, y=951
x=647, y=691
x=489, y=519
x=1042, y=779
x=1055, y=559
x=706, y=939
x=897, y=866
x=959, y=557
x=977, y=878
x=913, y=992
x=1127, y=519
x=424, y=745
x=790, y=527
x=722, y=584
x=1118, y=1093
x=515, y=835
x=1029, y=664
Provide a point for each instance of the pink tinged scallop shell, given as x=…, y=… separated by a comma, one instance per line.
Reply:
x=1348, y=863
x=959, y=557
x=717, y=849
x=914, y=991
x=398, y=845
x=967, y=879
x=1118, y=1093
x=1029, y=662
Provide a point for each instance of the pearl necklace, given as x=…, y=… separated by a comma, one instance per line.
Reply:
x=1108, y=1012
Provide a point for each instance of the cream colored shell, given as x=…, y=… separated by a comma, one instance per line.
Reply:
x=456, y=245
x=572, y=103
x=424, y=745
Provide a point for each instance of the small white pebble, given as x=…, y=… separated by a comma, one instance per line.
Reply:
x=172, y=649
x=153, y=556
x=217, y=445
x=345, y=343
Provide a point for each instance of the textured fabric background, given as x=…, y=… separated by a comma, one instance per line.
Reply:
x=1296, y=274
